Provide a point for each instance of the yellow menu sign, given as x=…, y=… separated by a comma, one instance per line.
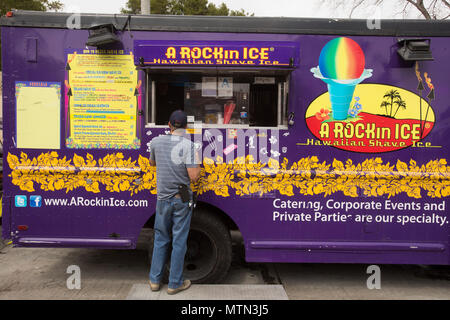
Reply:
x=38, y=105
x=101, y=100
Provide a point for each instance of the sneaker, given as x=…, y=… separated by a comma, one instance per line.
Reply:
x=154, y=286
x=186, y=284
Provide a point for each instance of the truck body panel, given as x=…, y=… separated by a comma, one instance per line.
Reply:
x=309, y=200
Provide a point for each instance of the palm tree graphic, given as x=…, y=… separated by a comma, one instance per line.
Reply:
x=384, y=104
x=400, y=104
x=392, y=95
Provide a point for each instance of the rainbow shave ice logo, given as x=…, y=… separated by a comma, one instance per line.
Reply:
x=341, y=67
x=366, y=117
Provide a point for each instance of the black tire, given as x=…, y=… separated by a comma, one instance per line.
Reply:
x=209, y=253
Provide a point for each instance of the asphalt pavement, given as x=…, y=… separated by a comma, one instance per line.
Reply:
x=39, y=273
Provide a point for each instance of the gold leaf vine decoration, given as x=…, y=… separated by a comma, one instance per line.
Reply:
x=307, y=176
x=113, y=172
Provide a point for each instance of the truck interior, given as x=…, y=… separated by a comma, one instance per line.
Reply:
x=219, y=98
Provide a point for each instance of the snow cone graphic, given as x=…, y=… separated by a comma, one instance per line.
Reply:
x=341, y=67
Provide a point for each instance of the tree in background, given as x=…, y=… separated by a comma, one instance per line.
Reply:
x=156, y=6
x=428, y=9
x=183, y=7
x=36, y=5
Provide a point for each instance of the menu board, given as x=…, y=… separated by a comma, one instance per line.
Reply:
x=38, y=105
x=102, y=92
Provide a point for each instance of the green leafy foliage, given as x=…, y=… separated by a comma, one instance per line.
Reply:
x=183, y=7
x=36, y=5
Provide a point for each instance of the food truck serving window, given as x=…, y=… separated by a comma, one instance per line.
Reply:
x=218, y=83
x=219, y=98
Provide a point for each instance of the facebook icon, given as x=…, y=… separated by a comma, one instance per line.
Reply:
x=35, y=201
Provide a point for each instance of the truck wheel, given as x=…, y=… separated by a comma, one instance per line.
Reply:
x=209, y=250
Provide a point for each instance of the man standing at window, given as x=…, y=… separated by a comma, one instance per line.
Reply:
x=176, y=166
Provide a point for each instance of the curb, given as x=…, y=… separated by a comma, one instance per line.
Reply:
x=5, y=243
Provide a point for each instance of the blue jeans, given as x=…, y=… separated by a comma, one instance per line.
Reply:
x=172, y=221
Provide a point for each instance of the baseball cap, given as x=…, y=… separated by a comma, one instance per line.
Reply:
x=178, y=119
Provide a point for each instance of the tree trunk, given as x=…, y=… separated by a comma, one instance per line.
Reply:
x=392, y=103
x=145, y=6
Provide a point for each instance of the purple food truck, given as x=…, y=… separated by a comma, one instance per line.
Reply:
x=322, y=141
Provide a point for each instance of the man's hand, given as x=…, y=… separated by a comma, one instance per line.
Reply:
x=194, y=173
